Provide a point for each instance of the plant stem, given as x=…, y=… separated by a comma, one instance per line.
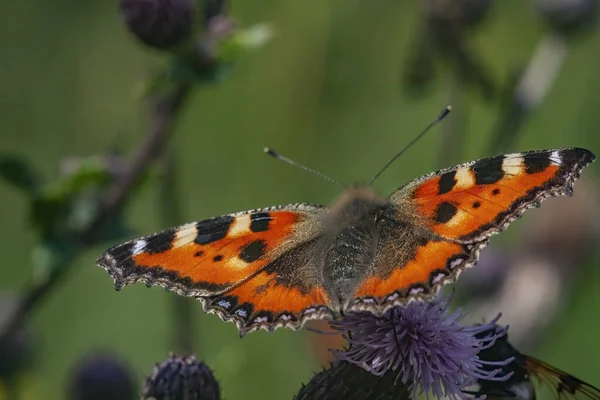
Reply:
x=170, y=206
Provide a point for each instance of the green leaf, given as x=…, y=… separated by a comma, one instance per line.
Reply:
x=244, y=40
x=91, y=173
x=47, y=213
x=16, y=171
x=50, y=255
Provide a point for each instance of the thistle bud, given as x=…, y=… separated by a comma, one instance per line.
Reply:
x=181, y=378
x=568, y=16
x=162, y=24
x=344, y=380
x=461, y=12
x=99, y=377
x=213, y=8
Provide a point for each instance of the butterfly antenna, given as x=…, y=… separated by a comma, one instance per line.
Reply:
x=440, y=117
x=278, y=156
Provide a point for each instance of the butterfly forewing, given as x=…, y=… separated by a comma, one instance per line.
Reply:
x=213, y=256
x=470, y=202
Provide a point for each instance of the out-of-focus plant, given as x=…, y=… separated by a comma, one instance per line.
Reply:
x=16, y=353
x=538, y=272
x=200, y=40
x=184, y=335
x=442, y=36
x=527, y=87
x=83, y=207
x=66, y=216
x=99, y=377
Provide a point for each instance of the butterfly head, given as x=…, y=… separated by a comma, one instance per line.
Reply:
x=355, y=203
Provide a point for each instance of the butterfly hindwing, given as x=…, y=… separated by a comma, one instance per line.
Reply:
x=416, y=271
x=472, y=201
x=560, y=384
x=210, y=257
x=283, y=294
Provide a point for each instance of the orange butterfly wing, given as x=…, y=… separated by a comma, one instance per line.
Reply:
x=415, y=275
x=269, y=301
x=472, y=201
x=241, y=266
x=450, y=214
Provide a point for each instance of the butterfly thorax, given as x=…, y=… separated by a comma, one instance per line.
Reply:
x=349, y=245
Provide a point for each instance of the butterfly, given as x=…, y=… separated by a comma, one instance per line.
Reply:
x=532, y=378
x=281, y=266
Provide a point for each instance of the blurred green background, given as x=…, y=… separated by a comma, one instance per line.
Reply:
x=327, y=91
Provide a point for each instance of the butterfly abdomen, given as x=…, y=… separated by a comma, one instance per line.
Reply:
x=349, y=243
x=349, y=256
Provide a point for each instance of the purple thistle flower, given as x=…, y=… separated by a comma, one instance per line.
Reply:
x=427, y=346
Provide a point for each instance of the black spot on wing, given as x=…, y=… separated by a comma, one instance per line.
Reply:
x=199, y=253
x=495, y=192
x=488, y=171
x=445, y=212
x=217, y=258
x=213, y=229
x=260, y=221
x=253, y=251
x=535, y=163
x=447, y=182
x=476, y=204
x=160, y=242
